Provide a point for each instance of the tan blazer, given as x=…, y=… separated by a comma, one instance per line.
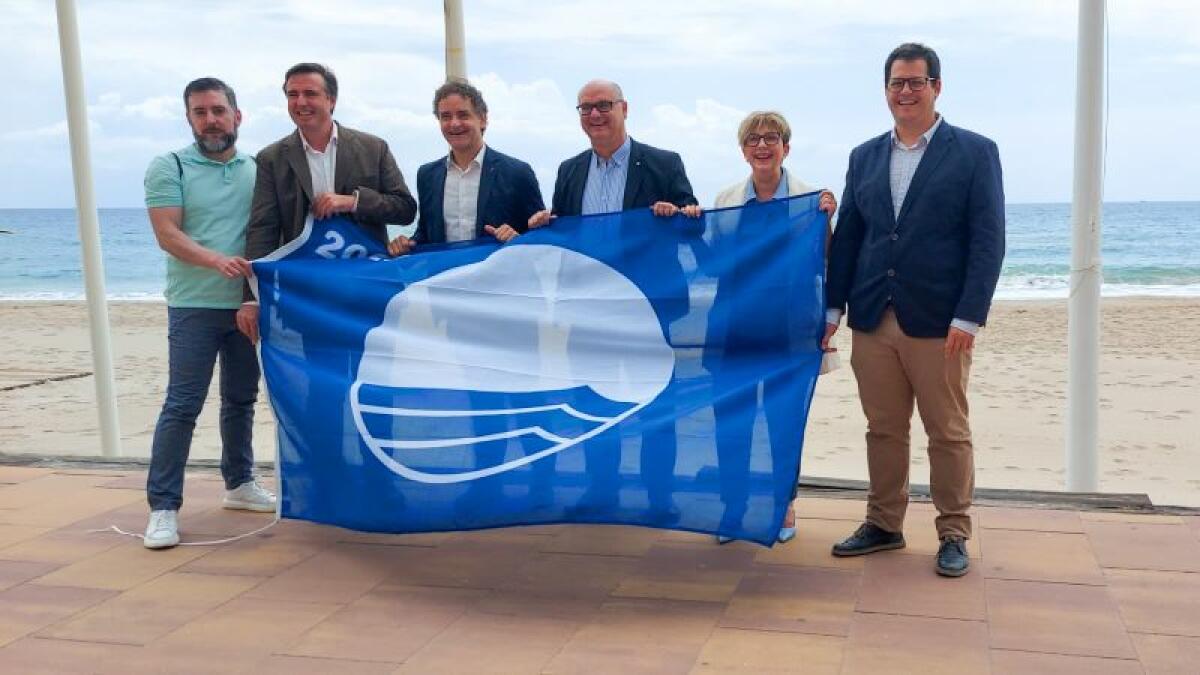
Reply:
x=283, y=190
x=735, y=195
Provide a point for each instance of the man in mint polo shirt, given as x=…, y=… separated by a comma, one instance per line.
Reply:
x=198, y=198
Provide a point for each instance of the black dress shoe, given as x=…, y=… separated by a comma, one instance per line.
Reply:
x=952, y=560
x=868, y=538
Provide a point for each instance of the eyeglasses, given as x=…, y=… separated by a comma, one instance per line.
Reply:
x=914, y=83
x=771, y=138
x=602, y=106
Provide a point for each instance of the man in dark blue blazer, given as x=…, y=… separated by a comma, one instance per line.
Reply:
x=618, y=173
x=474, y=191
x=916, y=255
x=477, y=191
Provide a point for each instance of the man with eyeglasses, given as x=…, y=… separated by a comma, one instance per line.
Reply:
x=618, y=173
x=916, y=255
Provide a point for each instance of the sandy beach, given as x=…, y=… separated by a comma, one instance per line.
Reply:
x=1149, y=376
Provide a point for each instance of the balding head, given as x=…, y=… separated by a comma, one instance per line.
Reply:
x=602, y=112
x=602, y=87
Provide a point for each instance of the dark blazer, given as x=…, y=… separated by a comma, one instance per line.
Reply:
x=654, y=176
x=508, y=194
x=283, y=190
x=940, y=260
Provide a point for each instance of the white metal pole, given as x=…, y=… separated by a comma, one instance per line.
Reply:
x=89, y=228
x=1083, y=325
x=456, y=41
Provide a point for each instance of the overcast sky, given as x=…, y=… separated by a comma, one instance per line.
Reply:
x=691, y=69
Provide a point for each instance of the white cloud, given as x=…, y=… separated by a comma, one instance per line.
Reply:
x=55, y=130
x=156, y=108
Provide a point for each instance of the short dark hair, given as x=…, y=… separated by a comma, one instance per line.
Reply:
x=456, y=87
x=315, y=69
x=209, y=84
x=911, y=51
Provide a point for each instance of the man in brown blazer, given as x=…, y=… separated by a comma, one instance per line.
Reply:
x=323, y=168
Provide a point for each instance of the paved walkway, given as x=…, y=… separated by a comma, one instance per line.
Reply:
x=1050, y=592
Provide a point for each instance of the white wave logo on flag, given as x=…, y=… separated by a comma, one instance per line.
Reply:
x=556, y=346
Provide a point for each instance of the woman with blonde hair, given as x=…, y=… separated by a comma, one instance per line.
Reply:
x=764, y=137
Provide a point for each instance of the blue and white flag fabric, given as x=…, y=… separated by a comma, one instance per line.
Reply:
x=613, y=368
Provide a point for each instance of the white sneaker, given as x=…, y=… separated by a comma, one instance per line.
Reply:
x=163, y=530
x=250, y=496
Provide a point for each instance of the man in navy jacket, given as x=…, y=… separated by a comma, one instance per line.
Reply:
x=476, y=190
x=916, y=255
x=618, y=173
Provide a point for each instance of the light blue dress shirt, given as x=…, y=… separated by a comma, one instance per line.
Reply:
x=604, y=191
x=781, y=190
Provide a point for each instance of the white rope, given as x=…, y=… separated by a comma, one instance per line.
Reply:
x=264, y=528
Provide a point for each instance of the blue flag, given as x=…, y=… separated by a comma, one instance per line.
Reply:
x=614, y=368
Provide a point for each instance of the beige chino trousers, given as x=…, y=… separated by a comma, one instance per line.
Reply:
x=894, y=371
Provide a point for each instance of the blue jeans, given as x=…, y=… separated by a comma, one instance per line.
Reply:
x=196, y=338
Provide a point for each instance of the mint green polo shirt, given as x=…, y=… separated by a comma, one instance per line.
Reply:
x=215, y=198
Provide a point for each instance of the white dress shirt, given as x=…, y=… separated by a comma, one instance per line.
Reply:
x=321, y=165
x=460, y=198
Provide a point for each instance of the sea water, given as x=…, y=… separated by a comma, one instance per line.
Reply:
x=1148, y=248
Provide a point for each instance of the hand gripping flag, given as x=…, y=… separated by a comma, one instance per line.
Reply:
x=615, y=368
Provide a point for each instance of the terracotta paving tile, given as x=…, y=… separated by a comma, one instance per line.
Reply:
x=33, y=656
x=199, y=522
x=685, y=572
x=810, y=548
x=13, y=534
x=1005, y=662
x=151, y=610
x=20, y=474
x=260, y=556
x=606, y=540
x=299, y=529
x=884, y=643
x=1157, y=602
x=131, y=481
x=1037, y=520
x=1193, y=522
x=747, y=651
x=48, y=488
x=241, y=631
x=639, y=636
x=63, y=546
x=31, y=607
x=826, y=508
x=299, y=665
x=557, y=606
x=1059, y=618
x=339, y=574
x=62, y=507
x=489, y=643
x=1127, y=517
x=122, y=567
x=905, y=584
x=531, y=536
x=683, y=537
x=794, y=599
x=1167, y=654
x=459, y=564
x=16, y=572
x=1040, y=556
x=1170, y=548
x=387, y=626
x=568, y=575
x=426, y=539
